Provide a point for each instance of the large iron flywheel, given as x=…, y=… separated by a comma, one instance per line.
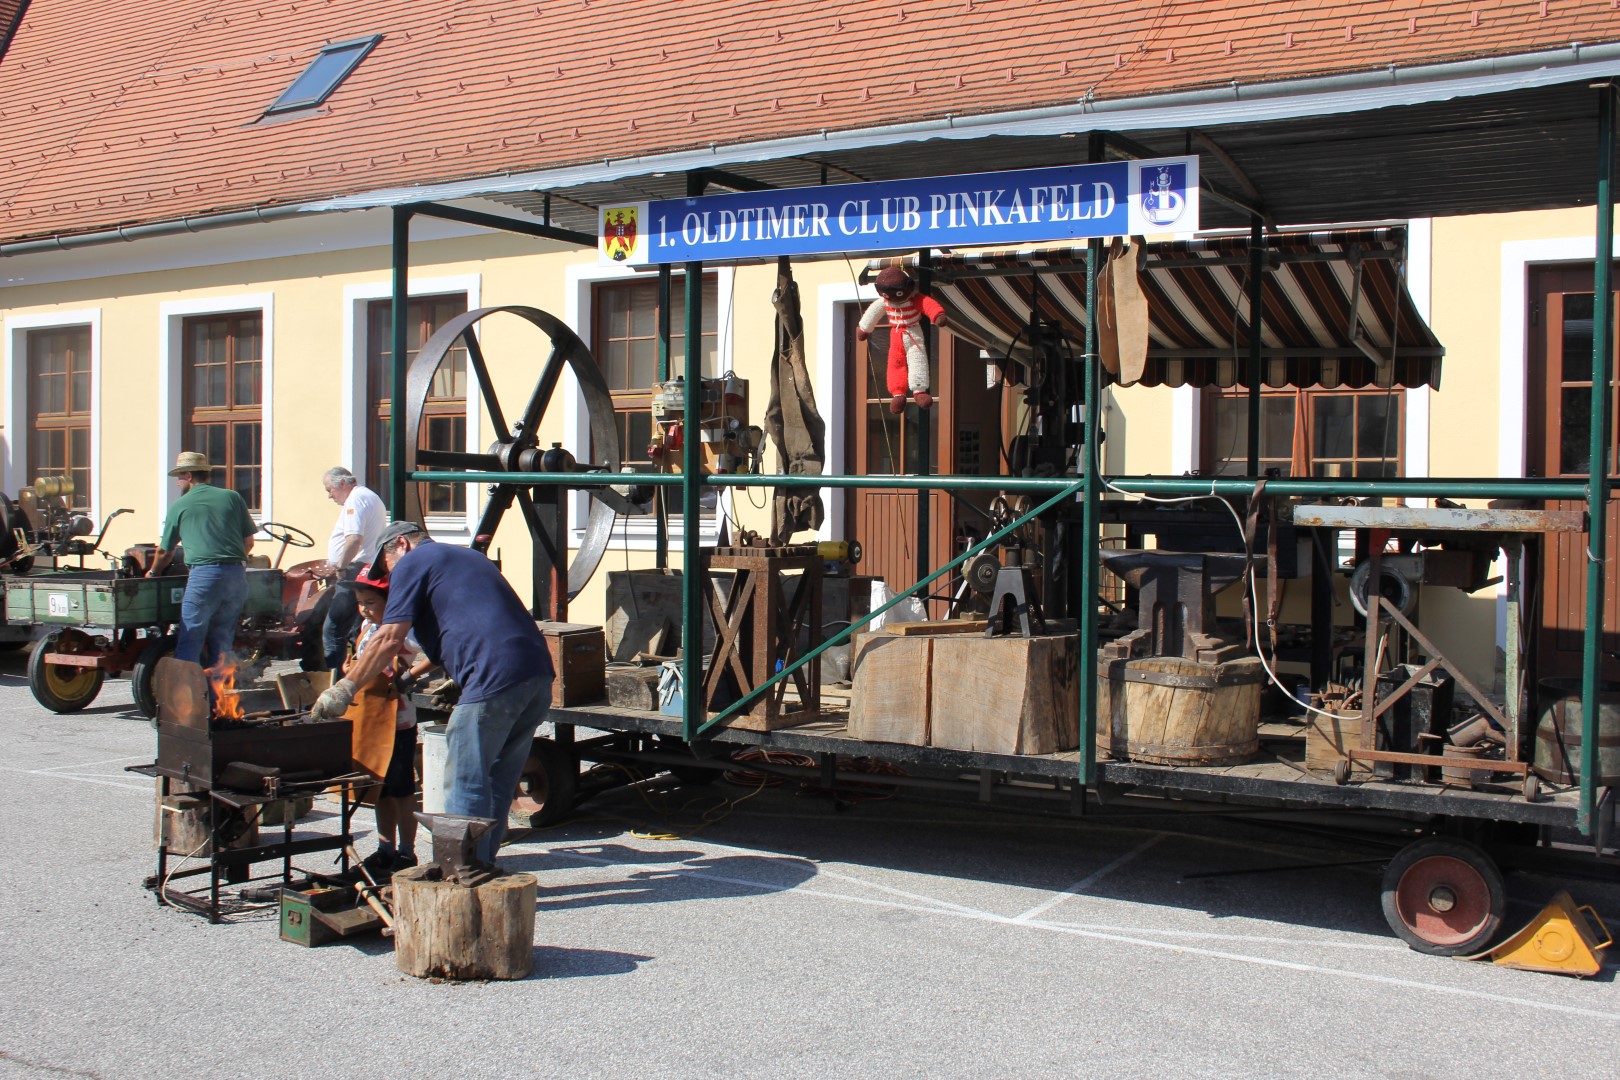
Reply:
x=516, y=447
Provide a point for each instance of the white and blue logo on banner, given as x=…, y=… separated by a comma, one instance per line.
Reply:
x=1112, y=198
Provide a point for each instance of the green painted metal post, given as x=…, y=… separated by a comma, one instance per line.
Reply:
x=691, y=492
x=398, y=352
x=1597, y=495
x=923, y=431
x=1090, y=464
x=660, y=496
x=1257, y=322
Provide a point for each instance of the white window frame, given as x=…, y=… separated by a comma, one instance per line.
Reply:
x=448, y=528
x=172, y=315
x=17, y=328
x=636, y=533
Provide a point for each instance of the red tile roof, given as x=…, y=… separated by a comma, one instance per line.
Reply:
x=116, y=113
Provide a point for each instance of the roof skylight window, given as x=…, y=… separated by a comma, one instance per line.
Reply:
x=329, y=68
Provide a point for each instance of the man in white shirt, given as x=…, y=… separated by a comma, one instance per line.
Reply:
x=354, y=535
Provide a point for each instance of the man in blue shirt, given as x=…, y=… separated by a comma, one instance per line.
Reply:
x=470, y=621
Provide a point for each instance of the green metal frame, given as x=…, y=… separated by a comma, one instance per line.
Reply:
x=1086, y=486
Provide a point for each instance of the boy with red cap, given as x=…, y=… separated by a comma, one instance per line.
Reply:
x=385, y=731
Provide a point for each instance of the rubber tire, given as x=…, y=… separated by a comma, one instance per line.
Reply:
x=548, y=789
x=1484, y=875
x=142, y=676
x=64, y=696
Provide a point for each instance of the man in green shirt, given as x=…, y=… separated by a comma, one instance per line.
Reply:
x=215, y=529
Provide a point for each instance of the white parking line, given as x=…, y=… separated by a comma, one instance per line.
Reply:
x=52, y=774
x=1088, y=881
x=1117, y=938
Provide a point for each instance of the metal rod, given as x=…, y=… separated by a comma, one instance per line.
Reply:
x=1504, y=488
x=1090, y=544
x=839, y=638
x=1257, y=247
x=397, y=361
x=1597, y=494
x=923, y=430
x=505, y=224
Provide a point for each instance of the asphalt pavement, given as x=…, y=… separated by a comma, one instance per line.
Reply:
x=733, y=930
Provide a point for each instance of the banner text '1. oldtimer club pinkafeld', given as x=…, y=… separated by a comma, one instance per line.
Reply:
x=1112, y=198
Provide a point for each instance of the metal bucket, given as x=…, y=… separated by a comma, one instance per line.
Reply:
x=1558, y=732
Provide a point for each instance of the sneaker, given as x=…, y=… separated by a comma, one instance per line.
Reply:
x=403, y=861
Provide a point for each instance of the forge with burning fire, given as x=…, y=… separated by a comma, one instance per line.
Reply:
x=204, y=729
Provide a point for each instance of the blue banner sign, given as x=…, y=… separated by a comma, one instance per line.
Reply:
x=1113, y=198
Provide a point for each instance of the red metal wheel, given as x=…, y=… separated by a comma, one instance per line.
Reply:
x=1443, y=897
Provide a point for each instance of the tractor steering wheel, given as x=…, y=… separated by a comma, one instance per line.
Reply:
x=297, y=538
x=287, y=536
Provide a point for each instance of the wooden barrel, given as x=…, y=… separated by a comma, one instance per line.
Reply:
x=1558, y=732
x=1172, y=711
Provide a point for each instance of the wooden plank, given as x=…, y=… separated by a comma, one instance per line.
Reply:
x=943, y=626
x=1440, y=519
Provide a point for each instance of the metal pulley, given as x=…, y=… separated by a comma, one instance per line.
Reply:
x=516, y=448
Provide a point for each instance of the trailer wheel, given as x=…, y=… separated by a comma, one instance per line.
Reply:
x=143, y=676
x=59, y=687
x=1443, y=897
x=548, y=787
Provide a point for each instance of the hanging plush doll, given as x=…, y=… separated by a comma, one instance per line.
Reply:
x=908, y=345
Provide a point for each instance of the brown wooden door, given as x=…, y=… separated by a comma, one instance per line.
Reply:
x=964, y=436
x=1558, y=400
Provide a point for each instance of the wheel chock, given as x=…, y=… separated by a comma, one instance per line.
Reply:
x=1561, y=940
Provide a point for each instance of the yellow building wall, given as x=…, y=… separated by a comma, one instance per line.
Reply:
x=308, y=357
x=1466, y=305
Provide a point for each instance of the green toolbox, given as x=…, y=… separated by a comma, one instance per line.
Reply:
x=324, y=914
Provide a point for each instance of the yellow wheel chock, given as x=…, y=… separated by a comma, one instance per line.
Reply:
x=1562, y=940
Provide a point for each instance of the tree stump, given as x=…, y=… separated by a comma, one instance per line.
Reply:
x=444, y=930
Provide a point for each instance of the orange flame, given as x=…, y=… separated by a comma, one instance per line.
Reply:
x=222, y=680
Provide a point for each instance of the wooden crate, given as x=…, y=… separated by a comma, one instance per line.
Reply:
x=1172, y=711
x=1327, y=738
x=579, y=656
x=1004, y=695
x=889, y=695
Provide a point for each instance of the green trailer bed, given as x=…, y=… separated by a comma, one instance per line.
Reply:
x=99, y=598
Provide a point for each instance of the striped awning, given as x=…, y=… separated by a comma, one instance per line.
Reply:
x=1335, y=308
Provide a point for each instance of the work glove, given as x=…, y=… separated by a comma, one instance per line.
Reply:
x=334, y=701
x=406, y=682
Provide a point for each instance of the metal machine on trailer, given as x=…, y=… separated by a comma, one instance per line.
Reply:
x=1443, y=889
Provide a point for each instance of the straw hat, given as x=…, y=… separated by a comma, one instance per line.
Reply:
x=190, y=461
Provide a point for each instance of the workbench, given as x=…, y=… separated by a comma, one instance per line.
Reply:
x=1511, y=531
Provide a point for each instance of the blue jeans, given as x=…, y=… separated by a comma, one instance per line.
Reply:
x=342, y=617
x=486, y=746
x=215, y=597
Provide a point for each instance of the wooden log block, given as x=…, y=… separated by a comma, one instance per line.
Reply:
x=1006, y=695
x=634, y=688
x=444, y=930
x=888, y=698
